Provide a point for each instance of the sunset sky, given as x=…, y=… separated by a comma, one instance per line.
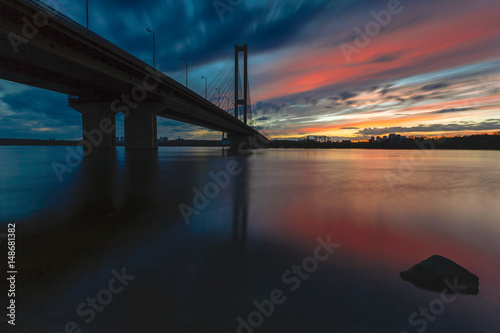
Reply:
x=345, y=69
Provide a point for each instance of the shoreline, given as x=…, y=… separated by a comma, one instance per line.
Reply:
x=473, y=142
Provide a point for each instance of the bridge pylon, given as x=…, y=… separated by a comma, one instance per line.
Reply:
x=98, y=124
x=237, y=100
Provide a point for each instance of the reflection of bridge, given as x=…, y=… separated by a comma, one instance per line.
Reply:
x=42, y=48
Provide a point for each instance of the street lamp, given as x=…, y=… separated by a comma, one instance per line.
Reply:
x=206, y=85
x=154, y=51
x=87, y=5
x=184, y=59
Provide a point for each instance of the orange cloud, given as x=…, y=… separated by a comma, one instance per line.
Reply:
x=450, y=38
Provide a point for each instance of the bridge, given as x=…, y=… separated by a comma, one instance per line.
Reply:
x=41, y=47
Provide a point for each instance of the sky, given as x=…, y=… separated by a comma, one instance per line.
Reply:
x=345, y=69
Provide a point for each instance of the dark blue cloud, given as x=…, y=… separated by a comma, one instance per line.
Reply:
x=385, y=58
x=488, y=125
x=434, y=86
x=347, y=95
x=43, y=104
x=194, y=29
x=454, y=110
x=268, y=107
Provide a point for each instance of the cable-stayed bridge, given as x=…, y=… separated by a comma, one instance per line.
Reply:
x=41, y=47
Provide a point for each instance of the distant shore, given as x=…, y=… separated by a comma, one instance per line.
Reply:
x=35, y=142
x=473, y=142
x=173, y=143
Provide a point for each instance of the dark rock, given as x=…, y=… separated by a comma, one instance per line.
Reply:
x=432, y=274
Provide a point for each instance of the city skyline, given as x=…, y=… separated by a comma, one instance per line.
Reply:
x=346, y=69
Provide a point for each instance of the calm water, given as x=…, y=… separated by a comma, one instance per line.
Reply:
x=385, y=210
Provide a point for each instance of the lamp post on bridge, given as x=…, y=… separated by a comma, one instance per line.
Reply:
x=184, y=59
x=206, y=86
x=154, y=46
x=87, y=7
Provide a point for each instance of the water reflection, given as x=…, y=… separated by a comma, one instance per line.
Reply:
x=121, y=210
x=240, y=209
x=97, y=186
x=141, y=181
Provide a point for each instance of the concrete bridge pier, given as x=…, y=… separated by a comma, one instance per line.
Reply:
x=98, y=123
x=141, y=126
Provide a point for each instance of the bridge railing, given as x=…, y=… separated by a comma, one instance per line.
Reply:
x=41, y=5
x=83, y=30
x=63, y=19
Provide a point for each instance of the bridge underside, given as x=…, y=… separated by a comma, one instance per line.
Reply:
x=98, y=124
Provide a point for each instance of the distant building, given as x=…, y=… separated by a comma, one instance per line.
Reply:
x=317, y=138
x=395, y=138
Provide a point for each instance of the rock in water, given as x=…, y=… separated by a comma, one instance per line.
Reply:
x=432, y=274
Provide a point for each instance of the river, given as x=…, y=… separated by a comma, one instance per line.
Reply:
x=201, y=240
